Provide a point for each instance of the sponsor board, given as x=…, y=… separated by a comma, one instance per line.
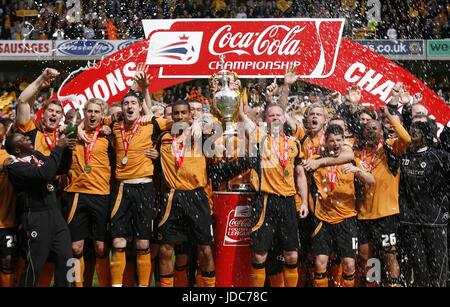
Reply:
x=253, y=48
x=397, y=49
x=120, y=44
x=89, y=49
x=16, y=48
x=83, y=48
x=438, y=49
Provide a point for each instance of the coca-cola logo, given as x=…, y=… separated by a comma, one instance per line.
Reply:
x=238, y=229
x=240, y=222
x=267, y=42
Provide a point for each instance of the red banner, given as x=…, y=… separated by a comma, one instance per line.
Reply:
x=254, y=48
x=181, y=50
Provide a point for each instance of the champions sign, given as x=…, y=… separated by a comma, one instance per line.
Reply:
x=184, y=49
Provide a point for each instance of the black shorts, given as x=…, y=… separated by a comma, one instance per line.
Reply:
x=305, y=230
x=381, y=232
x=186, y=217
x=274, y=217
x=87, y=216
x=8, y=242
x=341, y=238
x=133, y=211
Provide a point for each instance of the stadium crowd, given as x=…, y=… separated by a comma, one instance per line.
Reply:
x=100, y=19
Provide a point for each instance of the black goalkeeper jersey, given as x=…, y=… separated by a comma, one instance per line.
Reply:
x=424, y=187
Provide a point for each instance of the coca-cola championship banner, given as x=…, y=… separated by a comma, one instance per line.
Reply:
x=253, y=49
x=184, y=49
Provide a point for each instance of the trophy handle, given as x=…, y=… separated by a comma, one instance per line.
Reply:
x=213, y=84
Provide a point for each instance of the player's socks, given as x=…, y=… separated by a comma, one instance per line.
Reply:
x=290, y=274
x=258, y=274
x=79, y=273
x=320, y=279
x=199, y=279
x=102, y=267
x=7, y=278
x=348, y=280
x=166, y=280
x=180, y=276
x=336, y=273
x=144, y=266
x=209, y=279
x=393, y=282
x=372, y=284
x=277, y=280
x=118, y=262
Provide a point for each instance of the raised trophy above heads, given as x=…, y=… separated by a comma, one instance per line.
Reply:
x=226, y=99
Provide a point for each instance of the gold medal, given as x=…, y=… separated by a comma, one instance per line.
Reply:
x=87, y=169
x=125, y=160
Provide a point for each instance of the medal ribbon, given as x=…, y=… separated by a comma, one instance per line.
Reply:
x=332, y=175
x=313, y=150
x=179, y=154
x=48, y=140
x=282, y=158
x=369, y=165
x=89, y=148
x=37, y=162
x=126, y=143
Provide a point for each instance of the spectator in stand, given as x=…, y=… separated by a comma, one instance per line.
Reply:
x=111, y=29
x=88, y=30
x=407, y=16
x=392, y=33
x=218, y=5
x=74, y=31
x=59, y=31
x=242, y=12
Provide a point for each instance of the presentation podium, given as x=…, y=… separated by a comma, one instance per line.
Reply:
x=232, y=212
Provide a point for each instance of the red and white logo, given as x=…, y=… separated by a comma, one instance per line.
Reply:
x=174, y=48
x=238, y=228
x=254, y=48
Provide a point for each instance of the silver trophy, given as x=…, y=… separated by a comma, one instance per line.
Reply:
x=226, y=99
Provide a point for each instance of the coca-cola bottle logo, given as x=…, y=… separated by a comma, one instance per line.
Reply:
x=238, y=227
x=275, y=39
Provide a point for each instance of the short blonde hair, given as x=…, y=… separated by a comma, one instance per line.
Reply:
x=158, y=109
x=97, y=101
x=314, y=106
